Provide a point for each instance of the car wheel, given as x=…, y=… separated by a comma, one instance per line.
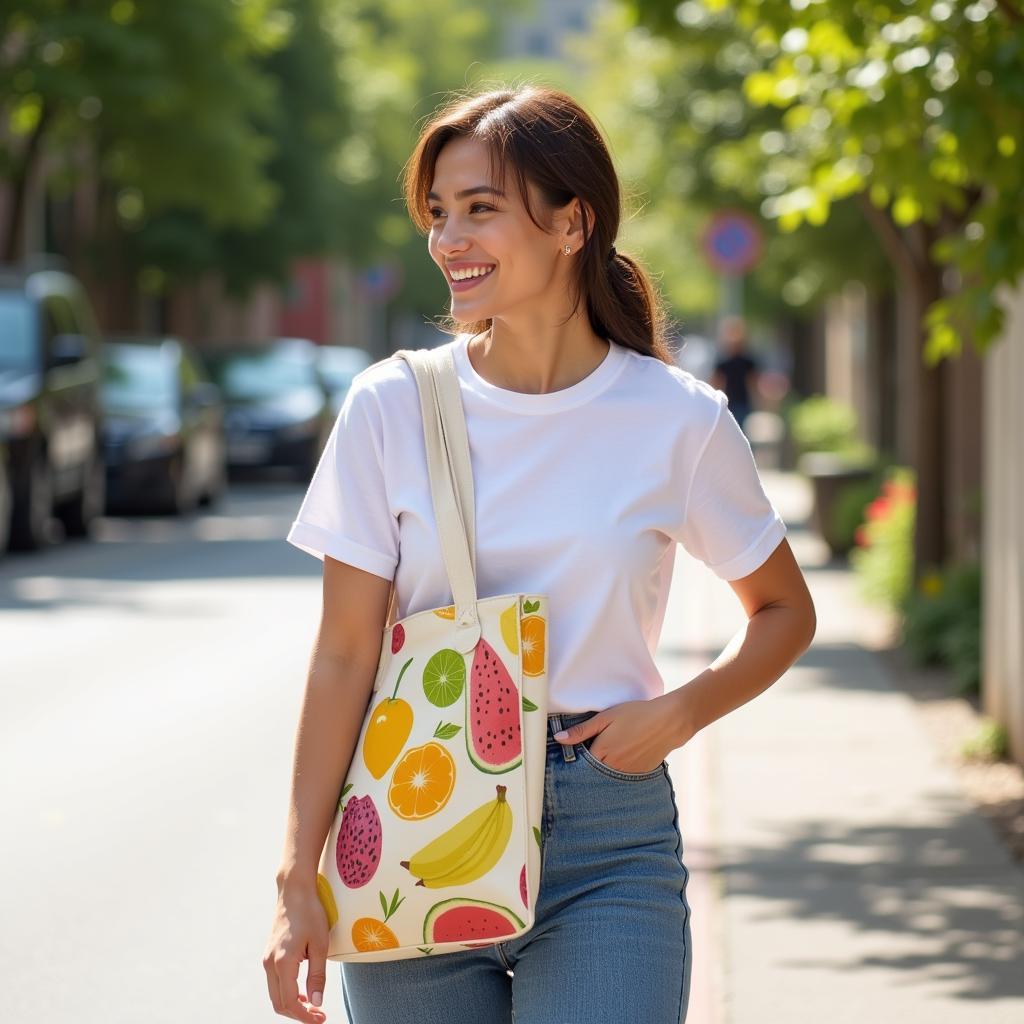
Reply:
x=181, y=499
x=218, y=487
x=79, y=515
x=30, y=521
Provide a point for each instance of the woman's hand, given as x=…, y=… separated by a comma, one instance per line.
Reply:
x=634, y=737
x=299, y=932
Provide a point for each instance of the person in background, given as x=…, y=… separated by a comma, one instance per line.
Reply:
x=736, y=371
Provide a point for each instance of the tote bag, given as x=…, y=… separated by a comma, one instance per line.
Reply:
x=435, y=845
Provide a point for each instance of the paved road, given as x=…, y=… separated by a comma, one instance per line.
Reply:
x=151, y=682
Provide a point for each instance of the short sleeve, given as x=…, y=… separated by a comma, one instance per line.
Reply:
x=345, y=512
x=729, y=524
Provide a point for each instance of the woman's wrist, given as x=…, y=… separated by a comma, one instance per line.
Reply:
x=292, y=877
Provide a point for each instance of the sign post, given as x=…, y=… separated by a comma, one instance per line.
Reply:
x=732, y=244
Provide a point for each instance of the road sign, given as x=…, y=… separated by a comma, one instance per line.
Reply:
x=732, y=242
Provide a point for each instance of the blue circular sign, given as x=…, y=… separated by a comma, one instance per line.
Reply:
x=732, y=242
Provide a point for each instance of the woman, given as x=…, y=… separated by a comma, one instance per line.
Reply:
x=593, y=456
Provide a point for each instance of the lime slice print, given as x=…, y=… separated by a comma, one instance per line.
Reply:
x=444, y=677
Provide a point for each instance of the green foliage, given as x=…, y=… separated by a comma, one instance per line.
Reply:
x=883, y=560
x=822, y=424
x=942, y=623
x=915, y=108
x=687, y=143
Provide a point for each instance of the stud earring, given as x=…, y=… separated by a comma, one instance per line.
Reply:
x=567, y=250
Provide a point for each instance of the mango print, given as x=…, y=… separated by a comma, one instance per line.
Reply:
x=388, y=730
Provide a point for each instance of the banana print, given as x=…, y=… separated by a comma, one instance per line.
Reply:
x=468, y=850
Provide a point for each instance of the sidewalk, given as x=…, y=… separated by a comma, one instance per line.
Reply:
x=837, y=871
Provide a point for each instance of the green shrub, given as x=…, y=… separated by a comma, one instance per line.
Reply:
x=821, y=424
x=942, y=624
x=883, y=559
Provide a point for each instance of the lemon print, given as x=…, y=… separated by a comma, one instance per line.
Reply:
x=445, y=613
x=509, y=632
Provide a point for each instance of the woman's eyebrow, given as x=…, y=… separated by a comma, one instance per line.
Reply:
x=475, y=190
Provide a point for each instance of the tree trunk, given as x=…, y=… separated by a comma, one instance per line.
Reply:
x=908, y=250
x=14, y=233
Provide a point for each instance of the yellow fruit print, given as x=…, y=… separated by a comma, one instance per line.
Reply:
x=423, y=782
x=323, y=891
x=445, y=613
x=467, y=850
x=533, y=628
x=509, y=632
x=388, y=730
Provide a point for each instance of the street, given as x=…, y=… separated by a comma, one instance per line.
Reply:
x=152, y=681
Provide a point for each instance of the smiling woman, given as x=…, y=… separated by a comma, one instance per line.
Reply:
x=516, y=181
x=592, y=456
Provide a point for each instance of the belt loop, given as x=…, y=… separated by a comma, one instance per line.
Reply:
x=568, y=750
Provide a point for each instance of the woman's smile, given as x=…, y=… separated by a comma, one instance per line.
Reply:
x=469, y=282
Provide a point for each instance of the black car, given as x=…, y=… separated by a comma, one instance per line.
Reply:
x=278, y=412
x=164, y=435
x=338, y=364
x=50, y=411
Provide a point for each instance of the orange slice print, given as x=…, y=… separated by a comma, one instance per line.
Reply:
x=369, y=933
x=423, y=782
x=533, y=629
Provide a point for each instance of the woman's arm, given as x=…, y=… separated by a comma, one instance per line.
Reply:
x=780, y=626
x=342, y=669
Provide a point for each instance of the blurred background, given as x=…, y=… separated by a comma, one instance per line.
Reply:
x=202, y=239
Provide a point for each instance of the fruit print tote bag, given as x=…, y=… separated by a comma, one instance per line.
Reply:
x=435, y=844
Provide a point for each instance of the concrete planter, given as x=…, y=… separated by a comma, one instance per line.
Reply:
x=830, y=473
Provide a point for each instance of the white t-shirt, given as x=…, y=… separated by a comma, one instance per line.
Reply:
x=581, y=494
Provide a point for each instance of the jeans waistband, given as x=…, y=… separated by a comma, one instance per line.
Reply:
x=562, y=720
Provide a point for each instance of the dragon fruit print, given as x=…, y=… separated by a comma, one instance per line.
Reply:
x=359, y=841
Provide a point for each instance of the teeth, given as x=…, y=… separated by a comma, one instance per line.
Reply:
x=463, y=275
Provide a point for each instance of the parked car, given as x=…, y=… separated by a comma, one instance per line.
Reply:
x=277, y=409
x=338, y=364
x=164, y=434
x=50, y=410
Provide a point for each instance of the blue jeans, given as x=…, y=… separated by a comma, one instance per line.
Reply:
x=611, y=939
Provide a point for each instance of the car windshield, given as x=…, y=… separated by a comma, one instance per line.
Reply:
x=139, y=377
x=339, y=366
x=261, y=374
x=18, y=323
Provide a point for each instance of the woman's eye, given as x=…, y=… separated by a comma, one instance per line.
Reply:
x=435, y=211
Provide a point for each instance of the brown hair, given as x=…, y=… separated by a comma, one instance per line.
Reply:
x=545, y=137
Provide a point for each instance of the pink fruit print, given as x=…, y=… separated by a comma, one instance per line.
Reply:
x=397, y=637
x=357, y=853
x=493, y=731
x=522, y=887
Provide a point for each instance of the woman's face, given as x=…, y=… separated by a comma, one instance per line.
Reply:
x=487, y=230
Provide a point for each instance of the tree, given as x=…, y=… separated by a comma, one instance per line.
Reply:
x=160, y=97
x=916, y=109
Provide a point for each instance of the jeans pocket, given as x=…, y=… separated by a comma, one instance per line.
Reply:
x=614, y=773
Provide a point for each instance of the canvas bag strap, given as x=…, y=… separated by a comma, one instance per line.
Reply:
x=450, y=474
